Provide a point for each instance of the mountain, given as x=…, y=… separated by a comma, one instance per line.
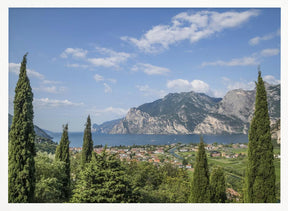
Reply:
x=197, y=113
x=38, y=131
x=43, y=140
x=105, y=127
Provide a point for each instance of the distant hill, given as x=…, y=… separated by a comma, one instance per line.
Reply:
x=38, y=131
x=43, y=141
x=105, y=127
x=198, y=113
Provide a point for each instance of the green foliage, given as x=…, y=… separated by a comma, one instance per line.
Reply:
x=102, y=181
x=87, y=147
x=218, y=186
x=175, y=187
x=45, y=145
x=200, y=183
x=21, y=167
x=62, y=154
x=49, y=178
x=260, y=174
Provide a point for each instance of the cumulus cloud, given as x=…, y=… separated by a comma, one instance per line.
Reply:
x=256, y=40
x=181, y=85
x=74, y=52
x=52, y=103
x=189, y=26
x=271, y=79
x=150, y=69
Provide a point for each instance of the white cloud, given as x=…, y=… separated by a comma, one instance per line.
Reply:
x=75, y=65
x=98, y=77
x=50, y=82
x=107, y=89
x=242, y=84
x=150, y=92
x=189, y=26
x=269, y=52
x=112, y=80
x=109, y=110
x=200, y=86
x=113, y=59
x=254, y=59
x=51, y=89
x=256, y=40
x=52, y=103
x=74, y=52
x=181, y=85
x=245, y=61
x=150, y=69
x=271, y=79
x=15, y=68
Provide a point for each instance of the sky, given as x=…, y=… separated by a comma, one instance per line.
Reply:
x=102, y=61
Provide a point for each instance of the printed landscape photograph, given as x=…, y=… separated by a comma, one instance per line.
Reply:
x=162, y=105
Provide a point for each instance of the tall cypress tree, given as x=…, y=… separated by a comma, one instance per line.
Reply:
x=200, y=183
x=21, y=179
x=87, y=147
x=62, y=154
x=260, y=173
x=218, y=186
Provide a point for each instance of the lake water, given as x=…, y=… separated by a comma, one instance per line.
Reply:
x=76, y=139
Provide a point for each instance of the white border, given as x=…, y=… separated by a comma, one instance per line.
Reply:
x=5, y=5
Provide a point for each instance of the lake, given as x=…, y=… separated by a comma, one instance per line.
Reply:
x=76, y=139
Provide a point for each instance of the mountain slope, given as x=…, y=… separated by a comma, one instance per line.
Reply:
x=105, y=127
x=197, y=113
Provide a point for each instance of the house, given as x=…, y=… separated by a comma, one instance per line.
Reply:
x=215, y=154
x=232, y=194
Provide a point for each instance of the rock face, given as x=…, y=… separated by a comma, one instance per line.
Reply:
x=197, y=113
x=105, y=127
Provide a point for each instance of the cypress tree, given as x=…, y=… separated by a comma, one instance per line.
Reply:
x=87, y=147
x=200, y=183
x=260, y=173
x=62, y=154
x=21, y=164
x=218, y=186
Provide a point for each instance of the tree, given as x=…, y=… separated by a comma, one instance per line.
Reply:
x=87, y=147
x=21, y=179
x=260, y=173
x=200, y=183
x=103, y=180
x=62, y=154
x=49, y=177
x=218, y=186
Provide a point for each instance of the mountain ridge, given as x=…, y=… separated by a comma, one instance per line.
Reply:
x=198, y=113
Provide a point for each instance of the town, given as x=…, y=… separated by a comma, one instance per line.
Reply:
x=181, y=155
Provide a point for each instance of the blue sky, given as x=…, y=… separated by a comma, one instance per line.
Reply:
x=104, y=61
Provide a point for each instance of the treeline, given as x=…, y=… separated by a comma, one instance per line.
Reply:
x=103, y=178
